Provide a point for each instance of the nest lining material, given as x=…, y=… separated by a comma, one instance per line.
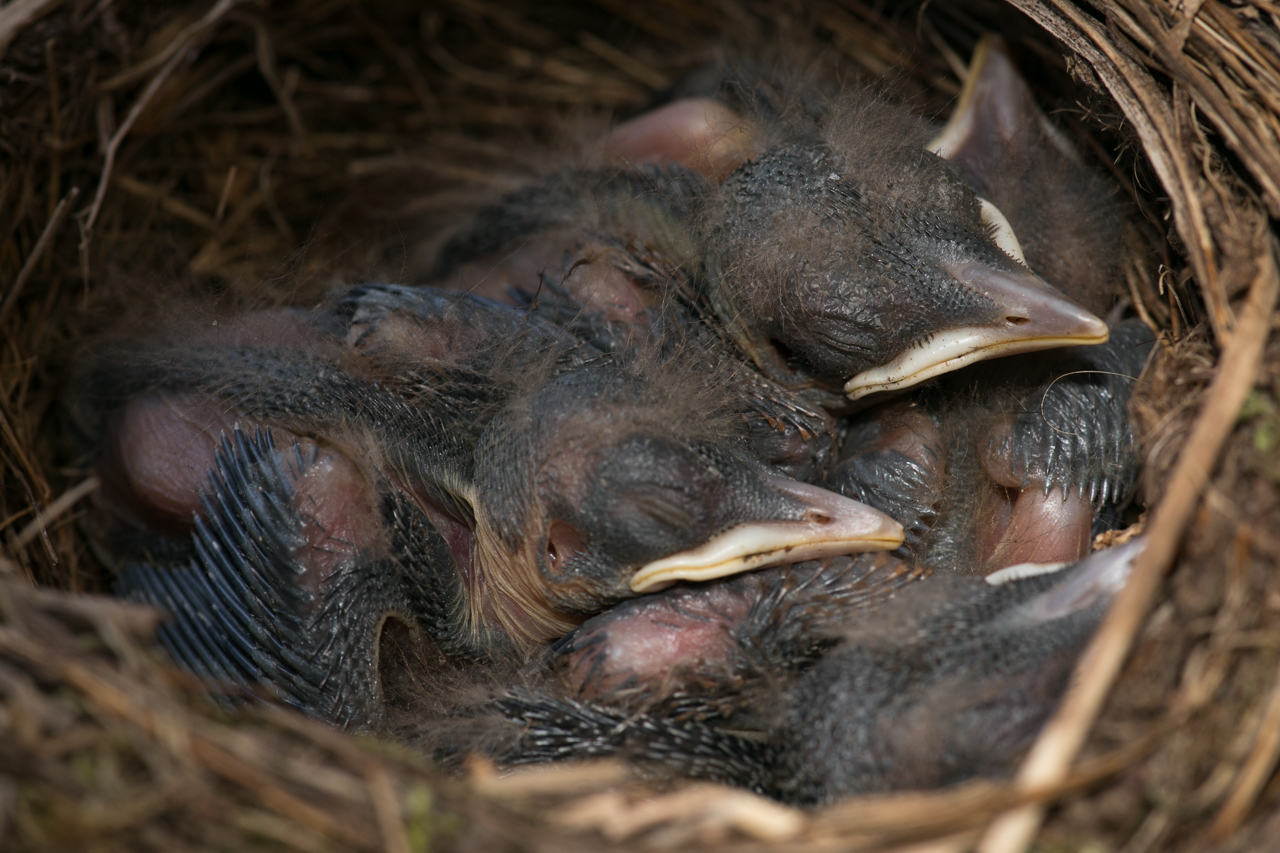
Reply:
x=211, y=156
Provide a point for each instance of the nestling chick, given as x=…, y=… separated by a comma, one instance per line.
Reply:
x=947, y=678
x=397, y=468
x=1021, y=460
x=953, y=680
x=1065, y=214
x=620, y=474
x=718, y=650
x=849, y=256
x=842, y=258
x=300, y=563
x=284, y=505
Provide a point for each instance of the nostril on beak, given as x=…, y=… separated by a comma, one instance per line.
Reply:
x=814, y=517
x=1017, y=321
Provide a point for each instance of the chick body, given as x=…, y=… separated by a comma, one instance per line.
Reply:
x=478, y=476
x=934, y=681
x=839, y=258
x=1024, y=459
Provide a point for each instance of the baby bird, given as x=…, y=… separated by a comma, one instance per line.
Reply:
x=848, y=256
x=645, y=466
x=840, y=259
x=1064, y=212
x=283, y=504
x=300, y=561
x=946, y=678
x=624, y=472
x=1021, y=460
x=409, y=476
x=709, y=650
x=973, y=670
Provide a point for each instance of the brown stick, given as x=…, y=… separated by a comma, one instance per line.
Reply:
x=67, y=500
x=15, y=16
x=116, y=700
x=1255, y=773
x=386, y=806
x=177, y=54
x=240, y=772
x=46, y=237
x=1050, y=758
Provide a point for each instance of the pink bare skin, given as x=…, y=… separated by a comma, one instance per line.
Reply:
x=341, y=519
x=699, y=133
x=596, y=281
x=587, y=270
x=654, y=641
x=1044, y=529
x=518, y=269
x=158, y=460
x=906, y=429
x=1030, y=526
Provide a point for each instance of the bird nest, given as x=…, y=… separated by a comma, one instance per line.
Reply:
x=233, y=154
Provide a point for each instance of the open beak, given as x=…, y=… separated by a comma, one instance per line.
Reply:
x=1032, y=316
x=831, y=525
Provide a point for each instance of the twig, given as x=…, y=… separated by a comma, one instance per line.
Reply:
x=634, y=15
x=266, y=55
x=403, y=59
x=624, y=62
x=55, y=134
x=67, y=500
x=206, y=260
x=386, y=806
x=1050, y=758
x=177, y=207
x=46, y=237
x=1255, y=773
x=236, y=770
x=176, y=46
x=177, y=53
x=226, y=194
x=16, y=15
x=1236, y=131
x=1150, y=112
x=264, y=186
x=111, y=694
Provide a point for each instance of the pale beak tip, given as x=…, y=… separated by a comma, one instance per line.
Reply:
x=1095, y=329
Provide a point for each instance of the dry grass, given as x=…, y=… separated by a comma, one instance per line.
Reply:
x=224, y=154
